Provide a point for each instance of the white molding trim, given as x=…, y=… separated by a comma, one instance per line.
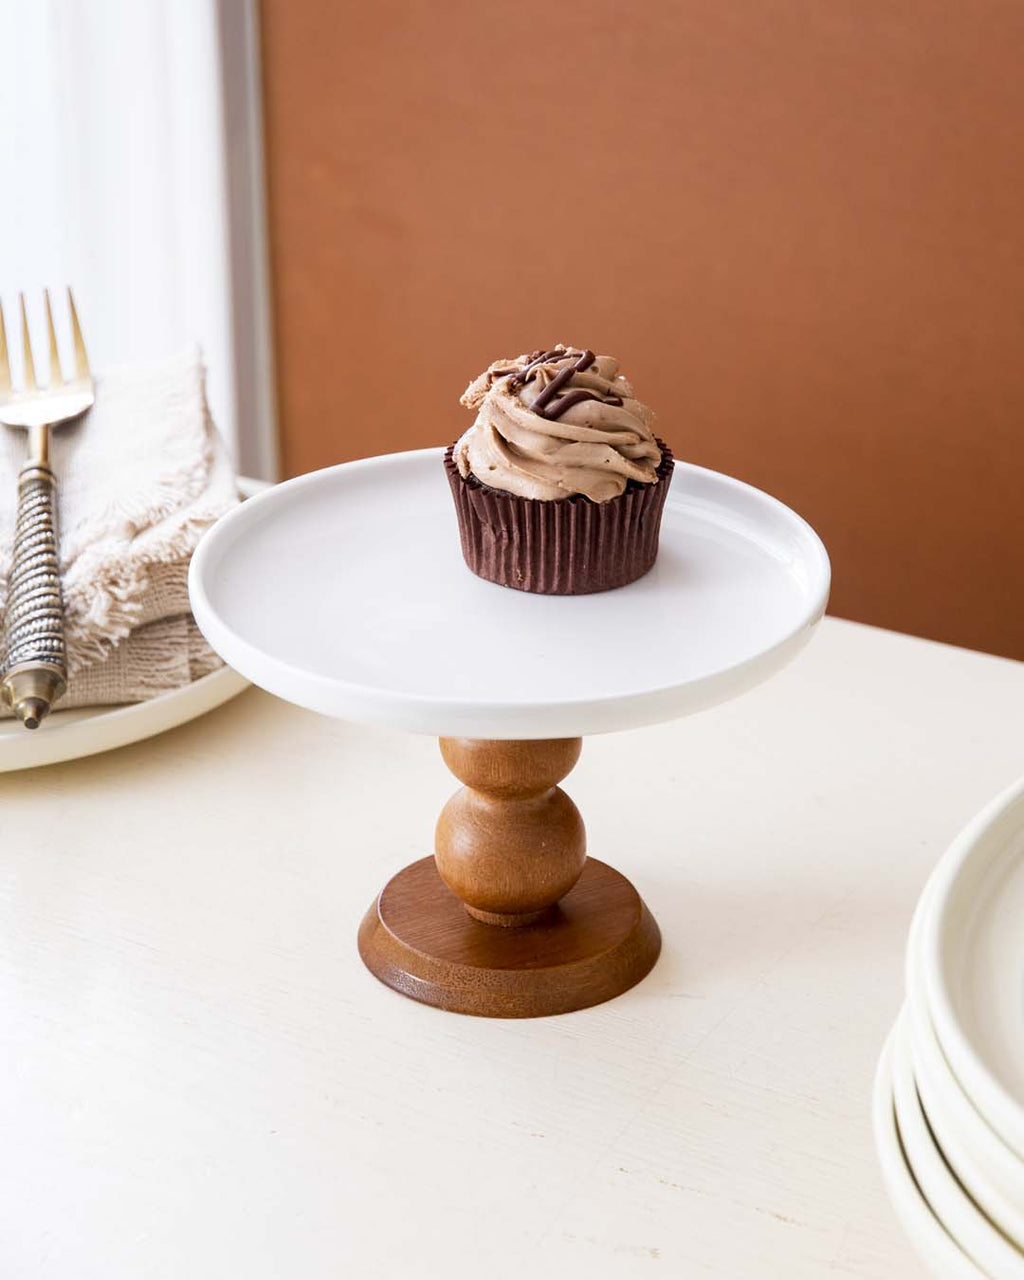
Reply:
x=242, y=89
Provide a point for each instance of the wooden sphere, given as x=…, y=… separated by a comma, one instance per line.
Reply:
x=505, y=770
x=510, y=860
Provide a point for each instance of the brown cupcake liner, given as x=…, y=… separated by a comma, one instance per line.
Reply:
x=567, y=547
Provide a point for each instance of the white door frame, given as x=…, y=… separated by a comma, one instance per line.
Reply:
x=242, y=87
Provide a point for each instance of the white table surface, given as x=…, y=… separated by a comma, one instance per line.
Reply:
x=198, y=1079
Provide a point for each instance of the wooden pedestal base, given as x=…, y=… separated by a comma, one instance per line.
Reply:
x=511, y=920
x=599, y=941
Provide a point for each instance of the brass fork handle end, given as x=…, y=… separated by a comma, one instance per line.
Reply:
x=35, y=655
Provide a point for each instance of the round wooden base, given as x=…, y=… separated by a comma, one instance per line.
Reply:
x=597, y=942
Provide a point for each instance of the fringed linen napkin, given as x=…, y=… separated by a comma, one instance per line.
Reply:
x=139, y=480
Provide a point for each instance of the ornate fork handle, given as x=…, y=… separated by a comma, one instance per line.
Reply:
x=35, y=656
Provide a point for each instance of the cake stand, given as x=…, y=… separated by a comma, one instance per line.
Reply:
x=345, y=591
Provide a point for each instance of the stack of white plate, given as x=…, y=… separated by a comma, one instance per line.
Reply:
x=949, y=1094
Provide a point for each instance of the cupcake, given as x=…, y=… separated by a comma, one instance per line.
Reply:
x=560, y=483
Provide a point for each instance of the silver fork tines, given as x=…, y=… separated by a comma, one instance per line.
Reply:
x=60, y=401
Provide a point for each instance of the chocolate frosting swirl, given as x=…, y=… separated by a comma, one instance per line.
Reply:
x=556, y=423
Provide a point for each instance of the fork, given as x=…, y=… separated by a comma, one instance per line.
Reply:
x=35, y=655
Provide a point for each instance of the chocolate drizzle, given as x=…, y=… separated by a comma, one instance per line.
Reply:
x=537, y=358
x=545, y=405
x=548, y=393
x=554, y=411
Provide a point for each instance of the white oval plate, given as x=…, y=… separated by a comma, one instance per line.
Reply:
x=990, y=1172
x=87, y=731
x=345, y=591
x=957, y=1212
x=934, y=1245
x=973, y=963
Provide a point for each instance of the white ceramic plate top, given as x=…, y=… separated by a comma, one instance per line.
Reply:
x=973, y=960
x=933, y=1243
x=345, y=591
x=961, y=1217
x=989, y=1171
x=88, y=731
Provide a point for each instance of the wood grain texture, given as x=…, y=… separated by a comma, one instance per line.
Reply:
x=598, y=942
x=798, y=224
x=198, y=1077
x=509, y=919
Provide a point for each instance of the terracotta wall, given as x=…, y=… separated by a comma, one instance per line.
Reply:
x=800, y=225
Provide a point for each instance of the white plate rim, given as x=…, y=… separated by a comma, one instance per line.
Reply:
x=988, y=1169
x=930, y=1239
x=979, y=1238
x=473, y=717
x=1002, y=1112
x=121, y=726
x=109, y=728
